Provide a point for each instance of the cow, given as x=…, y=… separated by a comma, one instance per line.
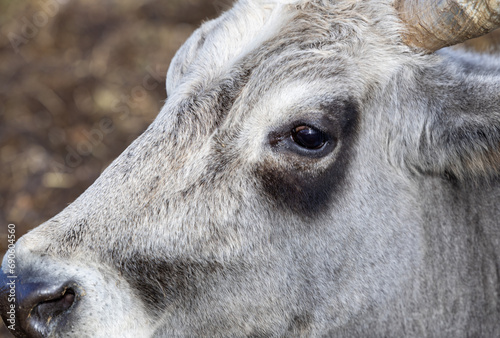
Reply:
x=320, y=168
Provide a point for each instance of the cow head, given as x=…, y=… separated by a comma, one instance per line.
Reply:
x=275, y=192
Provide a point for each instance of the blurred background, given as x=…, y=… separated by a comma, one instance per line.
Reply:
x=79, y=80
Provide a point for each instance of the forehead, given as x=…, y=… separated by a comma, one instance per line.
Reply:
x=268, y=56
x=215, y=47
x=253, y=64
x=269, y=39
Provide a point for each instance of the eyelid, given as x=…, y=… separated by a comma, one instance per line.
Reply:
x=299, y=128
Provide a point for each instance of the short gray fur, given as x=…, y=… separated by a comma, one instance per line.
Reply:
x=201, y=227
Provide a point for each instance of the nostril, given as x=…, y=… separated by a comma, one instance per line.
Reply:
x=42, y=305
x=52, y=308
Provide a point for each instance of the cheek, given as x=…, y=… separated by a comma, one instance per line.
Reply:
x=160, y=282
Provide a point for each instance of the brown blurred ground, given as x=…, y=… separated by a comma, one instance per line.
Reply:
x=79, y=80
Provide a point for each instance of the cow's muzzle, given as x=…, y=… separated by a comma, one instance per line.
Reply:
x=34, y=307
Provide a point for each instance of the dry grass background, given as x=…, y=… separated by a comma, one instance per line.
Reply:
x=79, y=80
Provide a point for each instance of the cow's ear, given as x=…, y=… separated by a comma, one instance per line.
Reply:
x=447, y=117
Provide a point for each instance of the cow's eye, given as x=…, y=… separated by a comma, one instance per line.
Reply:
x=308, y=137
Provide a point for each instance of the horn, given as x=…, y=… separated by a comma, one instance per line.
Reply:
x=434, y=24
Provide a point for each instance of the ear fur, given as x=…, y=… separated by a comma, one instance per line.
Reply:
x=449, y=116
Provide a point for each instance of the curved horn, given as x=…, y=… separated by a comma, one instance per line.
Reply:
x=434, y=24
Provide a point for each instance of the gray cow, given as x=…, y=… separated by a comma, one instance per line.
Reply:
x=317, y=170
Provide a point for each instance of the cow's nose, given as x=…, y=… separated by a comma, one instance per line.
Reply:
x=36, y=305
x=40, y=303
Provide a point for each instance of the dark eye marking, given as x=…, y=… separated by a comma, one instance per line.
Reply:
x=308, y=137
x=292, y=175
